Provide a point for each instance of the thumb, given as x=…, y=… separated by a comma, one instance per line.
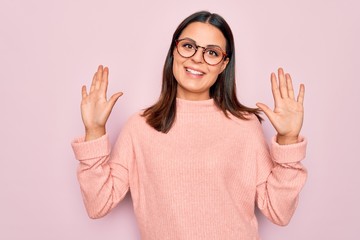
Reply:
x=268, y=112
x=114, y=98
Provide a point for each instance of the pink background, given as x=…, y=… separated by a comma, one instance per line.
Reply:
x=48, y=49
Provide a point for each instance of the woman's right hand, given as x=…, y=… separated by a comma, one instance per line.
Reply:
x=95, y=108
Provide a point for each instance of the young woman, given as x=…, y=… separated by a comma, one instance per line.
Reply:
x=196, y=162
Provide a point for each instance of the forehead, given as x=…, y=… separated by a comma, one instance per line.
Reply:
x=204, y=34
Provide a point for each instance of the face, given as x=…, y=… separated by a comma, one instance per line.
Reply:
x=194, y=75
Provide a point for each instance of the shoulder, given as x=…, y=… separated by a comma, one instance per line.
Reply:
x=134, y=120
x=250, y=126
x=250, y=120
x=131, y=128
x=136, y=123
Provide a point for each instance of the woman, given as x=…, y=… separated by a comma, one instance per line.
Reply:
x=196, y=162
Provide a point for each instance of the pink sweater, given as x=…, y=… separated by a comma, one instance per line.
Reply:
x=199, y=181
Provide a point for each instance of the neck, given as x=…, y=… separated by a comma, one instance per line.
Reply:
x=193, y=96
x=200, y=106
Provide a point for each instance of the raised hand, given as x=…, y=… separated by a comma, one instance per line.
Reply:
x=95, y=108
x=287, y=116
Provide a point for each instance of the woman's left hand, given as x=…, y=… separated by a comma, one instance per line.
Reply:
x=287, y=116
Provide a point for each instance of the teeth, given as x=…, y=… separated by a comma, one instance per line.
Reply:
x=194, y=72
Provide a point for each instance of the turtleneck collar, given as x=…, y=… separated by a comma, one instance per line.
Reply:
x=208, y=105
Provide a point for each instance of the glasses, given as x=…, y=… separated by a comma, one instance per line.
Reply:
x=187, y=48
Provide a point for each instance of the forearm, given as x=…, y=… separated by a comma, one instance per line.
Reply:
x=277, y=198
x=101, y=191
x=277, y=193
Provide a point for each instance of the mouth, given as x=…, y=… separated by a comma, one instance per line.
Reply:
x=194, y=72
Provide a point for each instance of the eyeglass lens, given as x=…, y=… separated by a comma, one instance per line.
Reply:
x=187, y=48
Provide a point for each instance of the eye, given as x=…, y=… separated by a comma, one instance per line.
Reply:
x=188, y=45
x=213, y=52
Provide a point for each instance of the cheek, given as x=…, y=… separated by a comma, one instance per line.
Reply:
x=223, y=67
x=216, y=71
x=176, y=68
x=178, y=64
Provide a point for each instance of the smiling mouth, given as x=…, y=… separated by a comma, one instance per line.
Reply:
x=192, y=71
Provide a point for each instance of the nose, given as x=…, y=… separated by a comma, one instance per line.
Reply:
x=198, y=56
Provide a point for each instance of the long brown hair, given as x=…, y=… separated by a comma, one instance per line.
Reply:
x=161, y=115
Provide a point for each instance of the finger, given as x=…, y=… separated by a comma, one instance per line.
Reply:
x=301, y=95
x=290, y=87
x=92, y=87
x=275, y=88
x=104, y=81
x=282, y=83
x=268, y=112
x=98, y=77
x=83, y=92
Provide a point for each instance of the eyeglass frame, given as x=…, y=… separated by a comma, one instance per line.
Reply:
x=197, y=48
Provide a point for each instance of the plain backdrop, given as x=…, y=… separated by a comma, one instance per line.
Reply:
x=49, y=49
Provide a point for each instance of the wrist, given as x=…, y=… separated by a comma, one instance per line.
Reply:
x=92, y=134
x=286, y=140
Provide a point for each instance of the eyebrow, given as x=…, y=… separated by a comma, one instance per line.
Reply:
x=210, y=45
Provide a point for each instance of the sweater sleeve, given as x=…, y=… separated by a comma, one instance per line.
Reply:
x=280, y=178
x=102, y=173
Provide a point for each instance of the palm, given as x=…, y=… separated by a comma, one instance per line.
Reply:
x=288, y=113
x=95, y=108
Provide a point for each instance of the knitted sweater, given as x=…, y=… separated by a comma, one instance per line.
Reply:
x=201, y=180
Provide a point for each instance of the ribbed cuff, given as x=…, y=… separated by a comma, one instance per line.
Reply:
x=91, y=149
x=288, y=153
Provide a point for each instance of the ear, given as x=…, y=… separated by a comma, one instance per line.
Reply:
x=224, y=64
